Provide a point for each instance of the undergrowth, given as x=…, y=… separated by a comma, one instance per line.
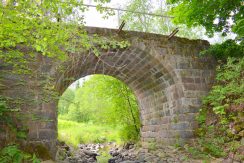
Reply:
x=74, y=133
x=13, y=154
x=221, y=117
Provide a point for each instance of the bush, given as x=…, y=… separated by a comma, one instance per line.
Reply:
x=129, y=133
x=229, y=48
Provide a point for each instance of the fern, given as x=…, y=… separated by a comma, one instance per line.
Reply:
x=13, y=154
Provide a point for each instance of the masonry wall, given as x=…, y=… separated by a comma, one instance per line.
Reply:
x=168, y=78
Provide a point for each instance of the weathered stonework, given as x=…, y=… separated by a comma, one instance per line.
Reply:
x=168, y=78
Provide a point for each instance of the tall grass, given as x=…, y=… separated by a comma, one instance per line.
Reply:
x=74, y=133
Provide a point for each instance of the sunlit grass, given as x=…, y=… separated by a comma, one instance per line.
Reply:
x=74, y=133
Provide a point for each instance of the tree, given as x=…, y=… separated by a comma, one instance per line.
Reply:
x=51, y=28
x=156, y=24
x=65, y=101
x=215, y=16
x=40, y=25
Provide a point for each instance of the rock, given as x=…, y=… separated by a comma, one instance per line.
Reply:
x=128, y=146
x=228, y=160
x=114, y=153
x=141, y=156
x=90, y=153
x=84, y=154
x=161, y=155
x=111, y=160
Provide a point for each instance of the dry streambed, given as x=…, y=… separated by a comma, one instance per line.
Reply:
x=129, y=153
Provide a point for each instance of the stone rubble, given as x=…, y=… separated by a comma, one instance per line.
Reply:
x=84, y=153
x=126, y=154
x=129, y=153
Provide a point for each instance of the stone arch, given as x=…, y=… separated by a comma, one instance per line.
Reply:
x=154, y=86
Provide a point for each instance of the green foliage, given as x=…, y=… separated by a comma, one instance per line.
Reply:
x=13, y=154
x=104, y=155
x=213, y=15
x=21, y=134
x=239, y=29
x=229, y=87
x=228, y=48
x=16, y=59
x=129, y=133
x=207, y=147
x=51, y=28
x=35, y=159
x=39, y=25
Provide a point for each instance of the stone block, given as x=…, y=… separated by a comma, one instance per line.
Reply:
x=185, y=134
x=47, y=134
x=180, y=126
x=187, y=80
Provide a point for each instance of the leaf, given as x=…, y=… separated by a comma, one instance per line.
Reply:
x=38, y=48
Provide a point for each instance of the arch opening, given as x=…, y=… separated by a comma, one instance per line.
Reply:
x=99, y=111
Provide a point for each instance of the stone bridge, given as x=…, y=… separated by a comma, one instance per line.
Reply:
x=168, y=78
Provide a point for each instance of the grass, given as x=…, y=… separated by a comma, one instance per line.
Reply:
x=104, y=155
x=74, y=133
